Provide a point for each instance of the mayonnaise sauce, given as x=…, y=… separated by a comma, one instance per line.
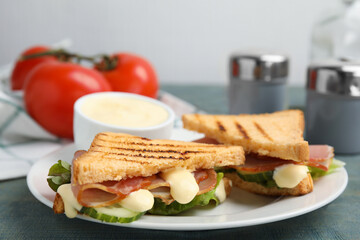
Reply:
x=71, y=205
x=183, y=186
x=138, y=201
x=125, y=112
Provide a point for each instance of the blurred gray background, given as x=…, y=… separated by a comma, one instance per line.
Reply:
x=187, y=41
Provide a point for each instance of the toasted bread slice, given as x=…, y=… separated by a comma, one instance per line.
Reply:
x=304, y=187
x=58, y=205
x=278, y=134
x=114, y=156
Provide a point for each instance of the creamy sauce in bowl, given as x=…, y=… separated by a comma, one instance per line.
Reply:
x=124, y=111
x=120, y=113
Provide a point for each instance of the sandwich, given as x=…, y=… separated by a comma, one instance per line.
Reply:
x=278, y=159
x=121, y=177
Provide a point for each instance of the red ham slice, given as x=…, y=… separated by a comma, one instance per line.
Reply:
x=109, y=192
x=201, y=175
x=78, y=154
x=320, y=156
x=206, y=184
x=320, y=153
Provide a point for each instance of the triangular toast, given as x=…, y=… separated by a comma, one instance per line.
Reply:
x=278, y=134
x=115, y=156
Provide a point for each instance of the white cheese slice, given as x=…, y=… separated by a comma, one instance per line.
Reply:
x=290, y=175
x=183, y=186
x=220, y=192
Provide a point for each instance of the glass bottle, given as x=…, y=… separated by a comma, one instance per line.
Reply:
x=337, y=36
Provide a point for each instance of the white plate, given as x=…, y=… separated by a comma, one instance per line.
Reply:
x=239, y=210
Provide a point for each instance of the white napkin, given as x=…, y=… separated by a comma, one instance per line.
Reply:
x=23, y=141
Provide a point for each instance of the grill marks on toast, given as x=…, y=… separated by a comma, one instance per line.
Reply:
x=166, y=145
x=134, y=149
x=152, y=144
x=220, y=126
x=109, y=156
x=242, y=130
x=278, y=134
x=145, y=153
x=150, y=150
x=115, y=156
x=111, y=152
x=138, y=141
x=262, y=131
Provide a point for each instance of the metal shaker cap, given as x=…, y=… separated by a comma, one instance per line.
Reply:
x=259, y=66
x=335, y=77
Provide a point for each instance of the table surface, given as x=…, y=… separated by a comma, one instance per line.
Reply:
x=24, y=217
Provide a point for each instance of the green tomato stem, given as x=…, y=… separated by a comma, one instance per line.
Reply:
x=102, y=62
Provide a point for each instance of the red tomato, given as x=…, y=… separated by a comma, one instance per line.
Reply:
x=52, y=89
x=23, y=67
x=132, y=74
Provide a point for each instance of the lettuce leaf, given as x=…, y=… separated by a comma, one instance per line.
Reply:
x=59, y=174
x=317, y=172
x=160, y=208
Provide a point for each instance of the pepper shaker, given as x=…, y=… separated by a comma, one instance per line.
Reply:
x=333, y=105
x=257, y=82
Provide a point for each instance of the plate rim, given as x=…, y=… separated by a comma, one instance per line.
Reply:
x=186, y=226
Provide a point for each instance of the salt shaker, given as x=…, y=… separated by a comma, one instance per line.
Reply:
x=257, y=82
x=333, y=105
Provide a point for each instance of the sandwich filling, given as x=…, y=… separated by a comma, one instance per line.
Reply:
x=271, y=172
x=275, y=172
x=173, y=185
x=168, y=192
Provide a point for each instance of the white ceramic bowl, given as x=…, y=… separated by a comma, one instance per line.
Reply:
x=85, y=128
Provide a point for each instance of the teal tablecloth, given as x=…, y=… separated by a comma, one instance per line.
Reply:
x=23, y=217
